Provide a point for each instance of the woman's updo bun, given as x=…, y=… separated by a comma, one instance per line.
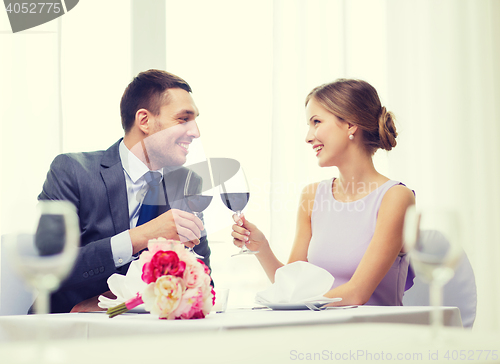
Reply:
x=357, y=102
x=387, y=130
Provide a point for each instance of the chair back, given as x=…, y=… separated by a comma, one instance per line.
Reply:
x=15, y=297
x=459, y=292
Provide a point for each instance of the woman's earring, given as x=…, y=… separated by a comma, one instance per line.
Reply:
x=351, y=137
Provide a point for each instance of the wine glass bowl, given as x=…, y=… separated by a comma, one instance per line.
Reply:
x=43, y=248
x=433, y=256
x=235, y=201
x=198, y=195
x=432, y=238
x=235, y=195
x=198, y=201
x=43, y=253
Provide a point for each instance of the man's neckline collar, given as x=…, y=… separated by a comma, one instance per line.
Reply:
x=134, y=167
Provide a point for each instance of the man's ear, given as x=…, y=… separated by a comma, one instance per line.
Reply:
x=142, y=121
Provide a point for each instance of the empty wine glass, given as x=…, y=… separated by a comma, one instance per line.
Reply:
x=44, y=251
x=235, y=195
x=432, y=238
x=198, y=192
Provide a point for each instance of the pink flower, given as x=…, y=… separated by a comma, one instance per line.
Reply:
x=155, y=245
x=164, y=296
x=205, y=285
x=194, y=275
x=207, y=270
x=208, y=301
x=163, y=263
x=191, y=305
x=213, y=296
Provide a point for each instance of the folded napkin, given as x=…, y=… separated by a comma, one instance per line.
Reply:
x=298, y=282
x=124, y=287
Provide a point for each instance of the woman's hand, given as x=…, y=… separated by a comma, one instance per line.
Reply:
x=245, y=232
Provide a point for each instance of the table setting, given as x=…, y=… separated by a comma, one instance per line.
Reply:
x=298, y=286
x=291, y=315
x=287, y=317
x=290, y=302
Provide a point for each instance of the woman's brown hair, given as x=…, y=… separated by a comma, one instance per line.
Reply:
x=357, y=102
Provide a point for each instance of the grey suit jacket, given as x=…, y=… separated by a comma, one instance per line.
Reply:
x=94, y=182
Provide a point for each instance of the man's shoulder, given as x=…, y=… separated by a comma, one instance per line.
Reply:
x=86, y=160
x=83, y=159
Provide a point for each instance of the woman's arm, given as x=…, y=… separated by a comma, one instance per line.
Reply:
x=255, y=239
x=303, y=231
x=386, y=244
x=244, y=232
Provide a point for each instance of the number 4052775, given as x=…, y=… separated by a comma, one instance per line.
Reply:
x=471, y=355
x=33, y=8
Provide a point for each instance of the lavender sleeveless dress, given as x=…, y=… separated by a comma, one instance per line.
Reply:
x=341, y=233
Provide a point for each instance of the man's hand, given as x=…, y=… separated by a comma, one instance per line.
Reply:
x=173, y=224
x=91, y=305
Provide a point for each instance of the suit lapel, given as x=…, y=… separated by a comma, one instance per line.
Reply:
x=114, y=180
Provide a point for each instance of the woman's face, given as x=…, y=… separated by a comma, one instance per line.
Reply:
x=327, y=134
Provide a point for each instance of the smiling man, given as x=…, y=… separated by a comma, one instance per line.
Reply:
x=109, y=188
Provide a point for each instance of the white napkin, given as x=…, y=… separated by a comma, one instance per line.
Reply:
x=124, y=287
x=298, y=282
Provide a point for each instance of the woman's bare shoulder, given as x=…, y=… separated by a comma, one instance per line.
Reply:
x=310, y=189
x=398, y=195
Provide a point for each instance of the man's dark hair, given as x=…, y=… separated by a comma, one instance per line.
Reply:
x=147, y=91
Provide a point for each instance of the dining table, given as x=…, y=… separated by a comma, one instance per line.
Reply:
x=87, y=325
x=247, y=335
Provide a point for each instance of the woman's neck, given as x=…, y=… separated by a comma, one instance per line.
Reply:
x=357, y=179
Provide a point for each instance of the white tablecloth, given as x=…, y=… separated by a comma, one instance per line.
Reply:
x=372, y=342
x=98, y=325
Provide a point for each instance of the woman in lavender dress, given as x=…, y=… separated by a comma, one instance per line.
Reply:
x=351, y=225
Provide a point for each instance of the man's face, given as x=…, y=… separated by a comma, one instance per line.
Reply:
x=172, y=131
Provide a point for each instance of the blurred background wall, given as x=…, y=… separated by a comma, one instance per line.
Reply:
x=251, y=64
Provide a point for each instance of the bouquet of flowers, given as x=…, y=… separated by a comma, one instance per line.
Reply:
x=178, y=285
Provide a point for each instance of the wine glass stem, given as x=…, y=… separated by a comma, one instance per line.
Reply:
x=243, y=247
x=42, y=302
x=436, y=300
x=42, y=309
x=198, y=215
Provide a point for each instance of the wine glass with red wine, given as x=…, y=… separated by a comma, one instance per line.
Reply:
x=235, y=195
x=198, y=195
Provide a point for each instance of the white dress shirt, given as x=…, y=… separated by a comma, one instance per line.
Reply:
x=134, y=170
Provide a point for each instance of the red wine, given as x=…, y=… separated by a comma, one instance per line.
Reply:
x=198, y=203
x=235, y=201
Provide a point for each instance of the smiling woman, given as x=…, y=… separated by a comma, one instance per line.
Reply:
x=330, y=105
x=358, y=102
x=355, y=234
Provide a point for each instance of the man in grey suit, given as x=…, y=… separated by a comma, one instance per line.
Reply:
x=107, y=187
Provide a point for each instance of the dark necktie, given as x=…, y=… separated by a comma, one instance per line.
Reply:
x=149, y=208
